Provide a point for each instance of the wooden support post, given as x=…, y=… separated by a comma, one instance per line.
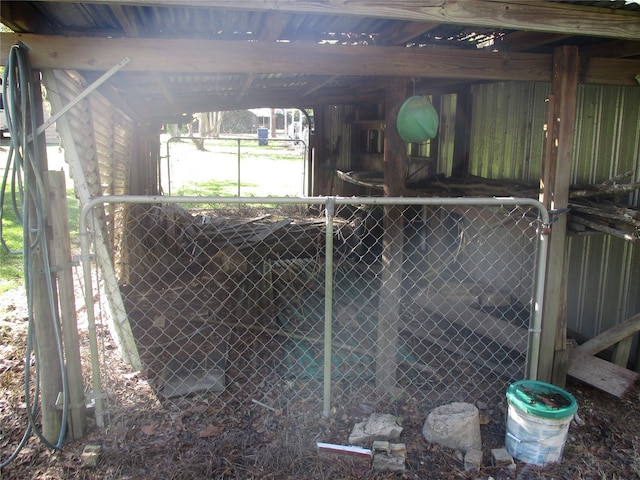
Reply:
x=46, y=349
x=61, y=266
x=556, y=171
x=44, y=321
x=395, y=156
x=320, y=177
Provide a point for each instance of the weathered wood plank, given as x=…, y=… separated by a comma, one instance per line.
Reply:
x=557, y=168
x=457, y=308
x=622, y=351
x=601, y=374
x=44, y=321
x=395, y=156
x=61, y=264
x=613, y=335
x=600, y=227
x=212, y=56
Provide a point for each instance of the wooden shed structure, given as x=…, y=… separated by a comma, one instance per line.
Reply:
x=528, y=92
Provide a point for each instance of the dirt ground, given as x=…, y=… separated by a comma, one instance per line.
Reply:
x=145, y=439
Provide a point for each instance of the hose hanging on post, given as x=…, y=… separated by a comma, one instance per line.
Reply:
x=28, y=199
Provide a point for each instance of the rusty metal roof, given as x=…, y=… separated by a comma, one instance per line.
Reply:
x=444, y=28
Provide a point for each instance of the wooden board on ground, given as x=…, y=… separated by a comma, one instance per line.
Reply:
x=601, y=374
x=458, y=303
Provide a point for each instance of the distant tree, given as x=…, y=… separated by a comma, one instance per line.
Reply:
x=208, y=124
x=238, y=122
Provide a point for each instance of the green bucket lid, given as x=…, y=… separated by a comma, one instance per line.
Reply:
x=541, y=399
x=417, y=120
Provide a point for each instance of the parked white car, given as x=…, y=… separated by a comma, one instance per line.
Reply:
x=4, y=127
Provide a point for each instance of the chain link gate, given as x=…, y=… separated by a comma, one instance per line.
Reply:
x=298, y=304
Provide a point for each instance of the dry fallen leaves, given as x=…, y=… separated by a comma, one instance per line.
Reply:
x=210, y=431
x=148, y=429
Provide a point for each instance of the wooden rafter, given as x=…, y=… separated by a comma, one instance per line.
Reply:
x=317, y=85
x=522, y=41
x=406, y=32
x=273, y=28
x=128, y=24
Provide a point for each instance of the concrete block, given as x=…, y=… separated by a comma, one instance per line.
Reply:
x=183, y=381
x=473, y=460
x=379, y=426
x=455, y=425
x=502, y=458
x=389, y=456
x=91, y=455
x=197, y=373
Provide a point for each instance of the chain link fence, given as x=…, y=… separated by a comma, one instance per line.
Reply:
x=307, y=303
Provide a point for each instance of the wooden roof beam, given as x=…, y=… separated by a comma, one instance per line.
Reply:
x=194, y=56
x=273, y=27
x=613, y=49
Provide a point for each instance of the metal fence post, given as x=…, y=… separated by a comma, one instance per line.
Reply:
x=328, y=304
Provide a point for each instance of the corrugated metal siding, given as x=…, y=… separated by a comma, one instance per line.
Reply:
x=506, y=142
x=446, y=133
x=103, y=137
x=507, y=130
x=604, y=272
x=607, y=140
x=604, y=283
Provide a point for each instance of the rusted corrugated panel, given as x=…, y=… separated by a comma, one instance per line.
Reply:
x=507, y=130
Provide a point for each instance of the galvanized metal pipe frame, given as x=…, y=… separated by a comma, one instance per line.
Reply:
x=329, y=203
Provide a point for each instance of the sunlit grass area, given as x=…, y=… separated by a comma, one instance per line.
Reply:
x=11, y=258
x=273, y=170
x=11, y=267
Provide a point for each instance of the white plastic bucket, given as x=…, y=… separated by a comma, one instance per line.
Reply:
x=538, y=421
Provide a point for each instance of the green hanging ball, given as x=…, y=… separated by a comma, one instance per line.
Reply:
x=417, y=120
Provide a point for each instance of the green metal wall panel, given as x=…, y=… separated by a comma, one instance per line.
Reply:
x=507, y=141
x=508, y=130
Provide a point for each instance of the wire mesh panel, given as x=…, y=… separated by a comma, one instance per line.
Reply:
x=293, y=304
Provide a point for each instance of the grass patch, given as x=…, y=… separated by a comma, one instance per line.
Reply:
x=211, y=188
x=11, y=264
x=73, y=207
x=274, y=170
